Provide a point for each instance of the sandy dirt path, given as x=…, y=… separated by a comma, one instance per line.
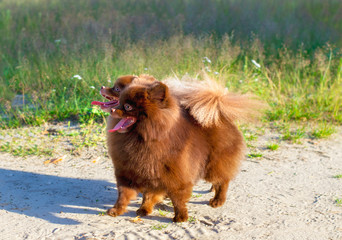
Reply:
x=289, y=193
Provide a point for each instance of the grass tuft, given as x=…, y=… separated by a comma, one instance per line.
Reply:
x=323, y=131
x=272, y=146
x=338, y=202
x=255, y=155
x=162, y=213
x=159, y=226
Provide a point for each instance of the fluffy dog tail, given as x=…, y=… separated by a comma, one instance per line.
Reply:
x=210, y=103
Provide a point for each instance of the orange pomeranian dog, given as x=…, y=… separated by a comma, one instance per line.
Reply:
x=164, y=137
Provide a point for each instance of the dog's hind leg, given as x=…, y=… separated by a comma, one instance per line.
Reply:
x=220, y=194
x=219, y=171
x=149, y=200
x=222, y=167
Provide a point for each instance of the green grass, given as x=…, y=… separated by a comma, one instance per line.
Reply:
x=38, y=141
x=162, y=212
x=277, y=50
x=272, y=146
x=102, y=213
x=250, y=137
x=338, y=202
x=294, y=134
x=192, y=219
x=323, y=131
x=159, y=226
x=338, y=176
x=196, y=195
x=24, y=150
x=255, y=155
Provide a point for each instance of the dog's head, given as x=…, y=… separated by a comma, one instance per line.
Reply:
x=147, y=107
x=113, y=93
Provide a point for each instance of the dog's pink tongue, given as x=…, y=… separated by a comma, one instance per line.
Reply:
x=97, y=103
x=123, y=124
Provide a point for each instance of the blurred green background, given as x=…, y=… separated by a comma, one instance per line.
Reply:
x=55, y=55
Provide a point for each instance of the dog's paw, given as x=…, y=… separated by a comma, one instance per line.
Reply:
x=143, y=212
x=181, y=217
x=214, y=202
x=113, y=212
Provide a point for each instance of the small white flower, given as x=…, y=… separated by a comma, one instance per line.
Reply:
x=256, y=80
x=92, y=87
x=58, y=41
x=207, y=60
x=145, y=69
x=216, y=73
x=256, y=64
x=54, y=90
x=109, y=81
x=207, y=69
x=240, y=81
x=77, y=76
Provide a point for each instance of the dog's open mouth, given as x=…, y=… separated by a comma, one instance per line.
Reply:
x=123, y=124
x=107, y=106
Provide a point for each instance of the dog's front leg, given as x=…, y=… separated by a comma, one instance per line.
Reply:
x=179, y=198
x=125, y=196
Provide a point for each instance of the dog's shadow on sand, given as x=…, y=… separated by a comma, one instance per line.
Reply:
x=55, y=199
x=49, y=197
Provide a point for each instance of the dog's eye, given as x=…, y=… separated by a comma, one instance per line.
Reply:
x=116, y=89
x=128, y=107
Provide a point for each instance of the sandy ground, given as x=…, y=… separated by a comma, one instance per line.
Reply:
x=289, y=193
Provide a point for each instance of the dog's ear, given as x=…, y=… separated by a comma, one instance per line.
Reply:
x=158, y=92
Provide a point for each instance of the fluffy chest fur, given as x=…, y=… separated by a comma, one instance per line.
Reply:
x=178, y=156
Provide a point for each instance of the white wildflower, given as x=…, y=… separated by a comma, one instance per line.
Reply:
x=240, y=81
x=109, y=81
x=216, y=73
x=256, y=80
x=77, y=76
x=145, y=69
x=58, y=41
x=92, y=87
x=207, y=69
x=206, y=59
x=256, y=64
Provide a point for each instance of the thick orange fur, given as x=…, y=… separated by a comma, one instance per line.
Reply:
x=173, y=144
x=209, y=102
